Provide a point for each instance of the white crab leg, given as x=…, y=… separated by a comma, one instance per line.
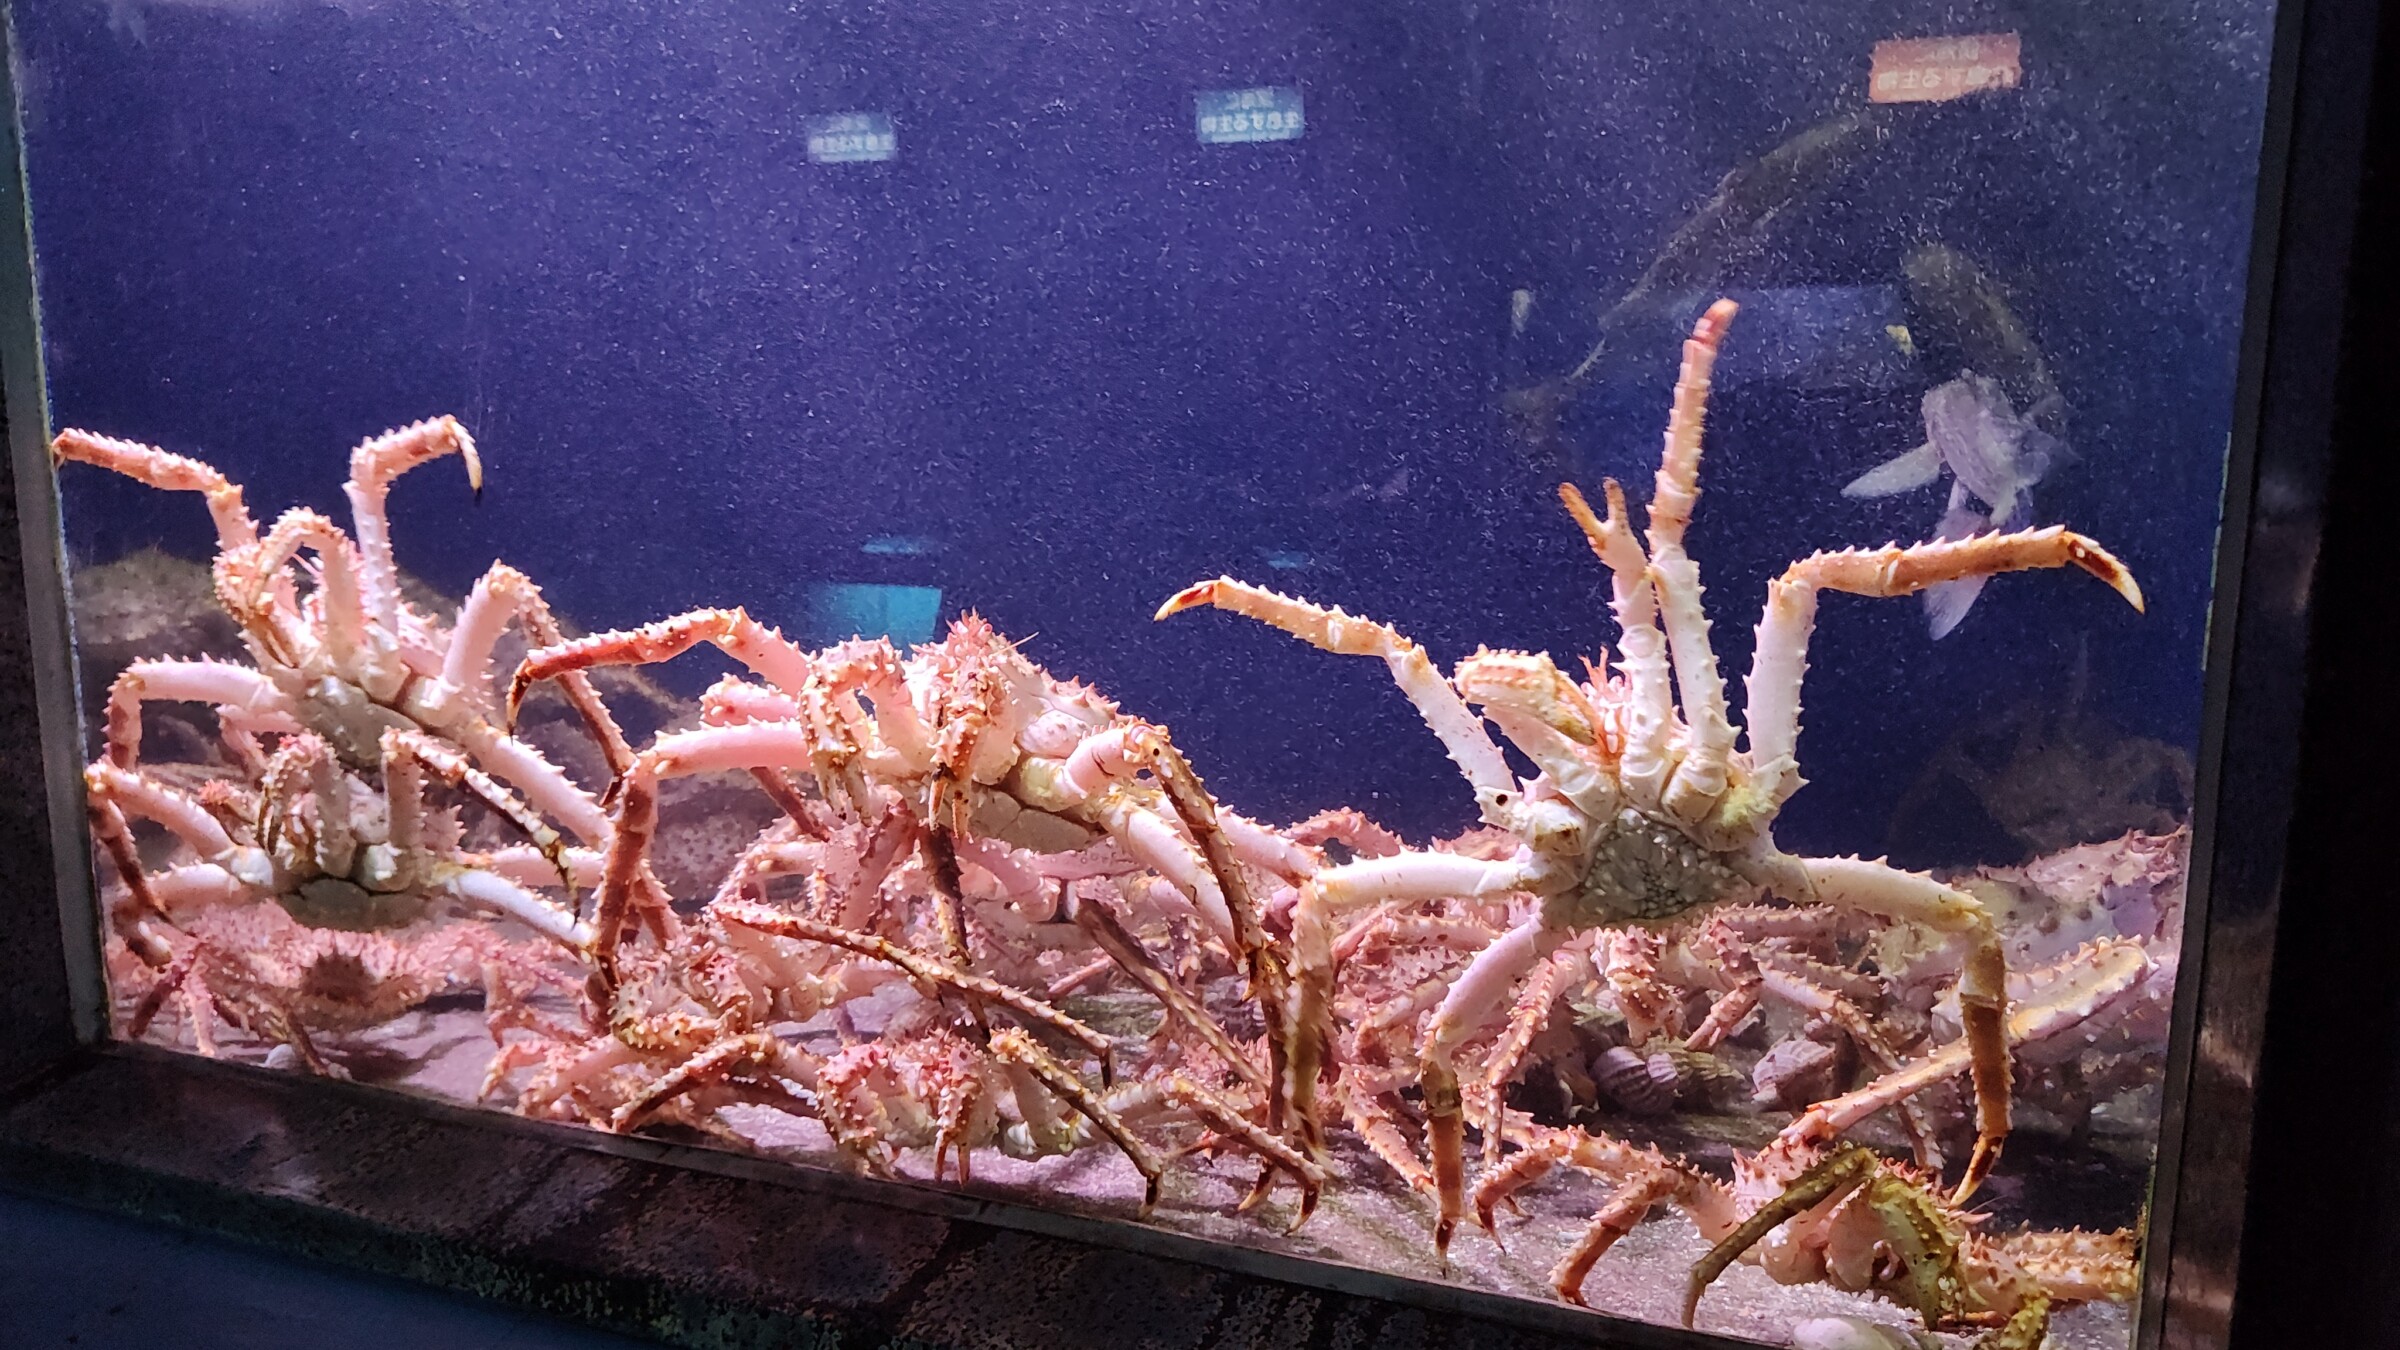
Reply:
x=197, y=885
x=2097, y=978
x=500, y=895
x=373, y=465
x=1642, y=649
x=1781, y=658
x=528, y=866
x=733, y=631
x=1460, y=730
x=498, y=595
x=337, y=843
x=339, y=577
x=184, y=818
x=1263, y=848
x=1701, y=778
x=1323, y=900
x=250, y=694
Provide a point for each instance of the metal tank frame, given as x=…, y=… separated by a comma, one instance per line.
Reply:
x=2265, y=1225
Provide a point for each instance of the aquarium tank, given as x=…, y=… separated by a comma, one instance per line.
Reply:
x=792, y=579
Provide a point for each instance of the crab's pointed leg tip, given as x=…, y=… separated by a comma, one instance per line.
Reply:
x=1190, y=597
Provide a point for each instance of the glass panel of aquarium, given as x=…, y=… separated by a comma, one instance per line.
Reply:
x=1556, y=648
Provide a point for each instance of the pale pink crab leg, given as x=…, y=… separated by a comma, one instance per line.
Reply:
x=1323, y=899
x=924, y=969
x=502, y=592
x=1468, y=1008
x=1700, y=780
x=1641, y=648
x=260, y=570
x=1526, y=1020
x=373, y=465
x=1781, y=658
x=405, y=751
x=1265, y=849
x=1460, y=730
x=499, y=595
x=231, y=686
x=157, y=468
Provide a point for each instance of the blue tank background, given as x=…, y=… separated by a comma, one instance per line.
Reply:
x=1059, y=360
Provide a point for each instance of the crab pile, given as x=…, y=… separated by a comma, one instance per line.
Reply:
x=996, y=913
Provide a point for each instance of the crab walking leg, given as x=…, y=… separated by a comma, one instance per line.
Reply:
x=1015, y=1047
x=153, y=467
x=755, y=645
x=1323, y=900
x=454, y=769
x=1525, y=1021
x=115, y=838
x=2099, y=977
x=1460, y=730
x=1117, y=754
x=924, y=969
x=1223, y=1117
x=1112, y=937
x=247, y=581
x=1468, y=1007
x=373, y=465
x=184, y=818
x=1849, y=1166
x=239, y=687
x=761, y=1049
x=1700, y=779
x=1912, y=897
x=1781, y=657
x=704, y=751
x=501, y=594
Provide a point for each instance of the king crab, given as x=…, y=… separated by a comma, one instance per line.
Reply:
x=355, y=680
x=1637, y=815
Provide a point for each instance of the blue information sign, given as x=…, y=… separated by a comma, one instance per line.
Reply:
x=851, y=138
x=1237, y=116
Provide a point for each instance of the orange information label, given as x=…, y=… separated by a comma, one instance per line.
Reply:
x=1929, y=70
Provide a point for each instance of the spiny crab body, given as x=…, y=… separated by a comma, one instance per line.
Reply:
x=1639, y=813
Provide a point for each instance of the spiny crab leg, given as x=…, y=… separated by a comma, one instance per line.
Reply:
x=2095, y=978
x=504, y=592
x=1912, y=897
x=1847, y=1166
x=924, y=969
x=415, y=748
x=1781, y=657
x=247, y=581
x=1641, y=648
x=252, y=694
x=373, y=465
x=147, y=464
x=1460, y=730
x=1109, y=933
x=741, y=637
x=1014, y=1046
x=1700, y=780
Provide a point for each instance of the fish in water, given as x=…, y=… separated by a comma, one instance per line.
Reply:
x=1959, y=310
x=1995, y=458
x=1736, y=225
